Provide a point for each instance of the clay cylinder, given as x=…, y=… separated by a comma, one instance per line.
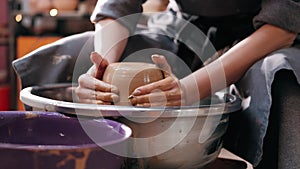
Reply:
x=127, y=76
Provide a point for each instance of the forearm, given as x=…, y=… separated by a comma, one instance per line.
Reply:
x=110, y=39
x=233, y=64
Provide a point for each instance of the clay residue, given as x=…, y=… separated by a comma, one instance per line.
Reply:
x=29, y=115
x=59, y=58
x=80, y=162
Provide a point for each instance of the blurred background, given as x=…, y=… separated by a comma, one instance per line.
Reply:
x=26, y=25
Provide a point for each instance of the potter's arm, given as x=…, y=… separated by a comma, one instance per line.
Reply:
x=234, y=63
x=109, y=42
x=110, y=39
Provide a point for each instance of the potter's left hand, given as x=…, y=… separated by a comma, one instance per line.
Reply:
x=165, y=92
x=91, y=89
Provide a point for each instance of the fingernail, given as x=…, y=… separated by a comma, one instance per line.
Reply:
x=131, y=97
x=136, y=92
x=155, y=56
x=132, y=100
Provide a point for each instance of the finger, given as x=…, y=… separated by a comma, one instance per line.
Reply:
x=162, y=63
x=157, y=97
x=89, y=101
x=164, y=84
x=84, y=93
x=100, y=64
x=153, y=97
x=87, y=81
x=106, y=97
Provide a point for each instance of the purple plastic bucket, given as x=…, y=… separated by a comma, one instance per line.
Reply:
x=47, y=140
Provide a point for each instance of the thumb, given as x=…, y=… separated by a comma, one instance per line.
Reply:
x=161, y=62
x=100, y=64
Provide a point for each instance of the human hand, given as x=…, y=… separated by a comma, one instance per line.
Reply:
x=93, y=90
x=165, y=92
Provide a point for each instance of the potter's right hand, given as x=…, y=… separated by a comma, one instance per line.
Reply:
x=92, y=90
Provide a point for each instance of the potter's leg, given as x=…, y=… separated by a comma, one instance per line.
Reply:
x=286, y=103
x=248, y=128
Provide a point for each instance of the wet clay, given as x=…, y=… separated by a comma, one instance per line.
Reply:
x=127, y=76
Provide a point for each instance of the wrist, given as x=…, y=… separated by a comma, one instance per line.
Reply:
x=189, y=90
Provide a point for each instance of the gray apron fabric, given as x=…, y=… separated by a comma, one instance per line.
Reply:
x=54, y=63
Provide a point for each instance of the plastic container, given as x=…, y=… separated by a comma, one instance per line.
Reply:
x=49, y=140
